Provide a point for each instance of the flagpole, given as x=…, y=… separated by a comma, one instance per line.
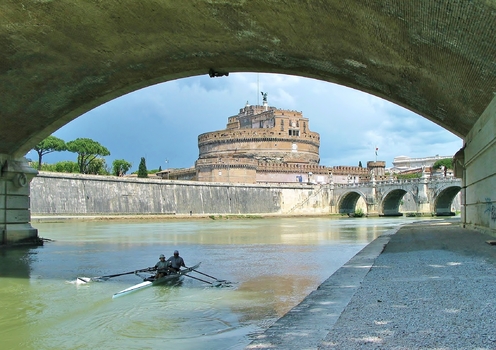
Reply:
x=258, y=90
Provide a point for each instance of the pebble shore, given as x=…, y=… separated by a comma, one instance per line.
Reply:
x=432, y=287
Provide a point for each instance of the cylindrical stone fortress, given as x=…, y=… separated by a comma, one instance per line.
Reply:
x=254, y=138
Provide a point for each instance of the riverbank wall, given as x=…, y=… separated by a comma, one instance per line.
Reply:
x=77, y=194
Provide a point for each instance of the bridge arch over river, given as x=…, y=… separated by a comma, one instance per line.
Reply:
x=430, y=196
x=59, y=59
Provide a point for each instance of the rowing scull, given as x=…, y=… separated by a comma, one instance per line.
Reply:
x=149, y=283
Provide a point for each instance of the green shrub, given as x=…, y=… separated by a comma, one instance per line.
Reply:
x=359, y=213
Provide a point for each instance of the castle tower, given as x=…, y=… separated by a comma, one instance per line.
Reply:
x=258, y=137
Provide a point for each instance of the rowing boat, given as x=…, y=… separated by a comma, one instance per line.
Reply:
x=151, y=281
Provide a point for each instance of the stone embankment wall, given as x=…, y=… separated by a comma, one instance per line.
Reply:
x=76, y=194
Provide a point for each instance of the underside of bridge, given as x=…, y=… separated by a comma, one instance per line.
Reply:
x=347, y=205
x=391, y=203
x=442, y=206
x=60, y=59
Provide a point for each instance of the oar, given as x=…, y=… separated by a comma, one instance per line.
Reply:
x=199, y=279
x=89, y=279
x=204, y=274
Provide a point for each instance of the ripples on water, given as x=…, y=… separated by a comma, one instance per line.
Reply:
x=274, y=263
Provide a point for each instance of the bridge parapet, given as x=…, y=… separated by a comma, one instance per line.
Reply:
x=396, y=182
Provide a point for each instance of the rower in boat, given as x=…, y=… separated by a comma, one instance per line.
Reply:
x=176, y=262
x=162, y=267
x=149, y=281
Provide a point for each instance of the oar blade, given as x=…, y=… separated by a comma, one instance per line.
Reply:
x=83, y=280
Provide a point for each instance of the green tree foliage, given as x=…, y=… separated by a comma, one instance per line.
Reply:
x=87, y=151
x=142, y=172
x=120, y=167
x=98, y=167
x=49, y=145
x=446, y=162
x=66, y=166
x=417, y=175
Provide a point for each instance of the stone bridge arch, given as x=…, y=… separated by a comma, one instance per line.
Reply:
x=444, y=199
x=347, y=202
x=55, y=66
x=390, y=202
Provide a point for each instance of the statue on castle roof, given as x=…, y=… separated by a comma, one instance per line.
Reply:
x=264, y=96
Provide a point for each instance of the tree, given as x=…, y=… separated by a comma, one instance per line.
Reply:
x=120, y=167
x=87, y=151
x=142, y=172
x=446, y=162
x=98, y=167
x=359, y=163
x=49, y=145
x=66, y=166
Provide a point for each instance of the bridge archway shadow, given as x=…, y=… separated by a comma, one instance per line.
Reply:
x=391, y=203
x=444, y=200
x=350, y=202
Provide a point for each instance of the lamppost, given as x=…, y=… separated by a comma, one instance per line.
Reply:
x=168, y=170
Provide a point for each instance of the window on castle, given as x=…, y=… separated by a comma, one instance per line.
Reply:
x=282, y=125
x=304, y=127
x=294, y=132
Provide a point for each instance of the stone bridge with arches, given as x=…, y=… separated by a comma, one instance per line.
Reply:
x=430, y=196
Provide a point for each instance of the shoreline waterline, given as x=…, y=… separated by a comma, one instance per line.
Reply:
x=157, y=217
x=152, y=217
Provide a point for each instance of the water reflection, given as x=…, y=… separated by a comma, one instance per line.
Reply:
x=274, y=262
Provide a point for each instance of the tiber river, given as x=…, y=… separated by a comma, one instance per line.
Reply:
x=273, y=263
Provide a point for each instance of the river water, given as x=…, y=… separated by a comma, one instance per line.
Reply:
x=273, y=263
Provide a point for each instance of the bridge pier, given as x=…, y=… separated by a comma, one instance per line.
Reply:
x=15, y=216
x=475, y=164
x=423, y=202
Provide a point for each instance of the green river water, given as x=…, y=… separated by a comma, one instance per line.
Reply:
x=273, y=264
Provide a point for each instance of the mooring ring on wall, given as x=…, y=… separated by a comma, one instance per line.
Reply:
x=20, y=180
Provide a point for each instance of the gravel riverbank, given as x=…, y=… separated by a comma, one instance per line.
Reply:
x=433, y=287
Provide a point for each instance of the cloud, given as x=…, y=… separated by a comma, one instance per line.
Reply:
x=163, y=121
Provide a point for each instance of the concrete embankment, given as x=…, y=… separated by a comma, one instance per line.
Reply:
x=87, y=195
x=427, y=286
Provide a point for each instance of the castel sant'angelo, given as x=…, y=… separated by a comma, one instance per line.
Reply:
x=263, y=144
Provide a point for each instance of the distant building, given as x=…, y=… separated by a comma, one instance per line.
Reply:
x=404, y=163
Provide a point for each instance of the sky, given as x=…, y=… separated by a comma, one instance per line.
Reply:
x=162, y=122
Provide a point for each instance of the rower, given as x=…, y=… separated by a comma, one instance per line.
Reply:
x=162, y=267
x=176, y=262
